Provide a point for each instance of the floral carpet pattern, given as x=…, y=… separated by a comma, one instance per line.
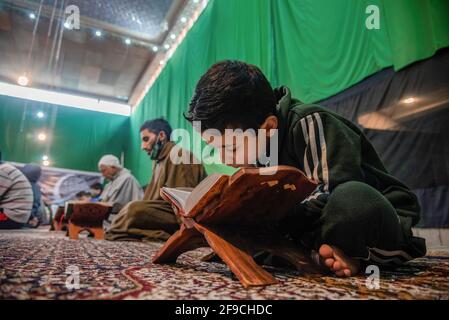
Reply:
x=47, y=265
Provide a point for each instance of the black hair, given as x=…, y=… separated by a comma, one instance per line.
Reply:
x=82, y=194
x=232, y=94
x=97, y=186
x=156, y=126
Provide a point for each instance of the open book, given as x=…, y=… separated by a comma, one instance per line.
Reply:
x=85, y=213
x=249, y=195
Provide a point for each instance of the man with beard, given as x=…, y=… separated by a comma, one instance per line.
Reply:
x=153, y=218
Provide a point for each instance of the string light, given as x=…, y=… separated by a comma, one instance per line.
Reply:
x=23, y=80
x=42, y=136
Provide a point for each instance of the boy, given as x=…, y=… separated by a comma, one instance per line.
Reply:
x=358, y=213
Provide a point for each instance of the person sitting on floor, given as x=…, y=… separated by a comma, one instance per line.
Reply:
x=33, y=174
x=122, y=188
x=95, y=191
x=83, y=196
x=358, y=213
x=16, y=197
x=153, y=218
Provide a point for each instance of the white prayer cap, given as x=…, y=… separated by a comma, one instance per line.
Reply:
x=109, y=160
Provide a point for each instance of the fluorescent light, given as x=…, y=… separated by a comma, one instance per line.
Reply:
x=64, y=99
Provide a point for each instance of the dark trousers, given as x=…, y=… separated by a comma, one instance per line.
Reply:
x=359, y=220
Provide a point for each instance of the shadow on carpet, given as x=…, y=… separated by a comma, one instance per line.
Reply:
x=37, y=264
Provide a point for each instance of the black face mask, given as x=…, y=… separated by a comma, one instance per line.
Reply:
x=156, y=149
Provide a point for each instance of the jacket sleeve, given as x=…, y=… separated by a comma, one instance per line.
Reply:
x=328, y=150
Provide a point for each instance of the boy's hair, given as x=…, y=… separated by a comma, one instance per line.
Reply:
x=232, y=94
x=97, y=186
x=156, y=126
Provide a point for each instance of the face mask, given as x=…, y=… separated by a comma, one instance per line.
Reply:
x=156, y=149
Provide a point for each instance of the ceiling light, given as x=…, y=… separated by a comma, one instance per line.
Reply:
x=45, y=157
x=161, y=62
x=64, y=99
x=173, y=36
x=155, y=49
x=128, y=41
x=23, y=80
x=42, y=136
x=98, y=33
x=167, y=46
x=195, y=1
x=32, y=16
x=409, y=100
x=46, y=163
x=40, y=114
x=183, y=19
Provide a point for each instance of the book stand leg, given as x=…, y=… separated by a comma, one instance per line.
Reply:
x=74, y=230
x=236, y=248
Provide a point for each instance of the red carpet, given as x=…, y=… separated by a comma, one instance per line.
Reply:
x=33, y=265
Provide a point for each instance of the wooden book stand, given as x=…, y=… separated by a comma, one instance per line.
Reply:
x=238, y=221
x=86, y=216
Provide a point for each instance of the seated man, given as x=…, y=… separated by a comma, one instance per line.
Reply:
x=16, y=197
x=95, y=191
x=122, y=188
x=153, y=218
x=33, y=173
x=358, y=213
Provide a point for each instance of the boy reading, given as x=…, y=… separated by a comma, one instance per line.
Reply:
x=359, y=213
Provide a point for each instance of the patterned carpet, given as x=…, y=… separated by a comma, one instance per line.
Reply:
x=33, y=265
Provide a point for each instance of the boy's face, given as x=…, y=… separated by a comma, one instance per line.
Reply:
x=240, y=148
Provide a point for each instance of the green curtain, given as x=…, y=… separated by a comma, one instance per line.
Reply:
x=316, y=47
x=76, y=138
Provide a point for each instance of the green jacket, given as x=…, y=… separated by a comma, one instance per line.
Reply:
x=332, y=150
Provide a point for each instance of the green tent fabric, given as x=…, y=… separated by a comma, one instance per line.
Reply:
x=76, y=138
x=316, y=47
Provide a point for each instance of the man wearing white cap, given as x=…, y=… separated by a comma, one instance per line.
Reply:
x=122, y=188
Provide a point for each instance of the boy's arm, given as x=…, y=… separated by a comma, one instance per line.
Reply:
x=328, y=150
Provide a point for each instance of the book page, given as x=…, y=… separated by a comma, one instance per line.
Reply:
x=180, y=196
